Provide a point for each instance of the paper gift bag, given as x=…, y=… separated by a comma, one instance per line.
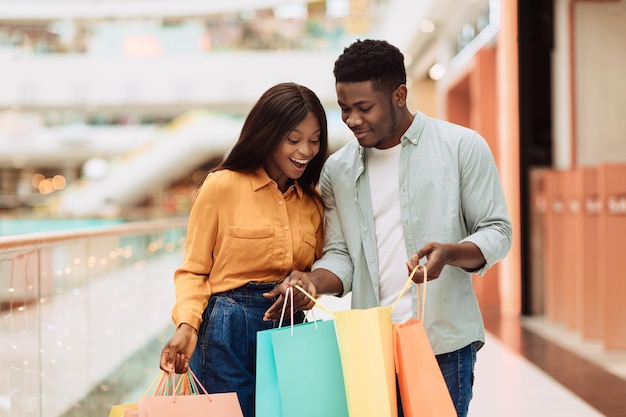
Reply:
x=299, y=371
x=122, y=410
x=200, y=405
x=188, y=398
x=423, y=391
x=366, y=351
x=130, y=409
x=366, y=347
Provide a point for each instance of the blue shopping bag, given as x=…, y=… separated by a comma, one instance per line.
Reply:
x=299, y=372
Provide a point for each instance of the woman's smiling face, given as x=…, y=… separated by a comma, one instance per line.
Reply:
x=294, y=152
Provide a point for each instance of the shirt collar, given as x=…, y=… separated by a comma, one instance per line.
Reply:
x=414, y=131
x=412, y=134
x=260, y=179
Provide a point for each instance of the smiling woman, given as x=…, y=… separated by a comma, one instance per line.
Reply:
x=294, y=152
x=245, y=234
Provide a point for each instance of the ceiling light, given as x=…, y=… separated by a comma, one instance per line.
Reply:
x=427, y=26
x=437, y=71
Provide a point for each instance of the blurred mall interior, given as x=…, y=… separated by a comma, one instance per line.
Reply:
x=112, y=112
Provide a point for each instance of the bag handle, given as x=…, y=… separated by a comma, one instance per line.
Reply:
x=190, y=386
x=421, y=306
x=289, y=292
x=160, y=377
x=315, y=300
x=288, y=296
x=196, y=383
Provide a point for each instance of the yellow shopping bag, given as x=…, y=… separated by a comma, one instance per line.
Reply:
x=366, y=346
x=365, y=340
x=122, y=410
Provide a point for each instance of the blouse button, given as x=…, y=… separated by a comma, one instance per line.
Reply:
x=281, y=202
x=287, y=255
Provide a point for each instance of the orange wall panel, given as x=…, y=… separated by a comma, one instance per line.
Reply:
x=586, y=255
x=555, y=307
x=570, y=283
x=612, y=253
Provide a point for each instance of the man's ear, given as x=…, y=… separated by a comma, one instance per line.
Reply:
x=399, y=95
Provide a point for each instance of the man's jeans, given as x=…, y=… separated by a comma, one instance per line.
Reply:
x=225, y=356
x=458, y=371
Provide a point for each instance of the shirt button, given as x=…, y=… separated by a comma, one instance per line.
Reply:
x=287, y=255
x=286, y=227
x=281, y=202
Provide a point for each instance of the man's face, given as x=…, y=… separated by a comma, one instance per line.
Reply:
x=369, y=113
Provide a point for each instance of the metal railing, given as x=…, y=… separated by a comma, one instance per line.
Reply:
x=75, y=305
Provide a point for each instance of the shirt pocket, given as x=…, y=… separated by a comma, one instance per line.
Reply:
x=308, y=244
x=249, y=248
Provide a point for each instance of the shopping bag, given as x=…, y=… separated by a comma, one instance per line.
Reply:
x=366, y=348
x=130, y=409
x=366, y=352
x=299, y=371
x=122, y=410
x=423, y=391
x=188, y=398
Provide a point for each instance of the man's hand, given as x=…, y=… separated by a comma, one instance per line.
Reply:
x=464, y=255
x=176, y=353
x=300, y=301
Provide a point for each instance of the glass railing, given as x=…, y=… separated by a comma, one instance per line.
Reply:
x=82, y=315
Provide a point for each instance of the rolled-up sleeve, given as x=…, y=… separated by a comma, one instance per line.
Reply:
x=484, y=205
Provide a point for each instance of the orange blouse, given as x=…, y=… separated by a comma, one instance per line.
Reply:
x=243, y=229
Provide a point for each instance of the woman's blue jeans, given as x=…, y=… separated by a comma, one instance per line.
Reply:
x=225, y=356
x=458, y=371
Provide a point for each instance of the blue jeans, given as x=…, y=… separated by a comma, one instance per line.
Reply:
x=458, y=371
x=225, y=356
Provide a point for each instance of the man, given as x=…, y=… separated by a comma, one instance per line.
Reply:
x=409, y=187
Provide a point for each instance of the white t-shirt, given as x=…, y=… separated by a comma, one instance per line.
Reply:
x=383, y=169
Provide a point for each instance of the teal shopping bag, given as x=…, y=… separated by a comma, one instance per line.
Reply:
x=299, y=372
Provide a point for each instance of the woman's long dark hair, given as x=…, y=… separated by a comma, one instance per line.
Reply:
x=277, y=112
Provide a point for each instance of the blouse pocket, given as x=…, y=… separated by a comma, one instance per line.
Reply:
x=249, y=246
x=308, y=244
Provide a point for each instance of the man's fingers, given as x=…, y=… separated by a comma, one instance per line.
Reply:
x=272, y=293
x=273, y=311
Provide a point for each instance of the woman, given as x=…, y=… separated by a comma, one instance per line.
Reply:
x=256, y=218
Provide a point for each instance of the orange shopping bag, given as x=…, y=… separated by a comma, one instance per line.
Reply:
x=423, y=391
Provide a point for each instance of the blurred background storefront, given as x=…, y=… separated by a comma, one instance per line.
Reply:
x=111, y=113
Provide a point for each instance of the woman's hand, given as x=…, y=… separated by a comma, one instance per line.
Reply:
x=300, y=301
x=176, y=353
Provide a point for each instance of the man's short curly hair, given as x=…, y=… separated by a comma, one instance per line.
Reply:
x=371, y=60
